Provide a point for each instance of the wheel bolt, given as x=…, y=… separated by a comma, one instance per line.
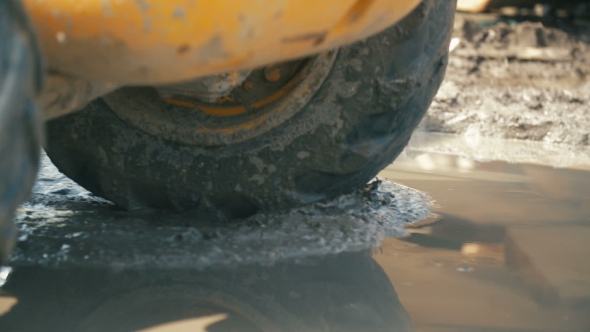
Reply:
x=272, y=73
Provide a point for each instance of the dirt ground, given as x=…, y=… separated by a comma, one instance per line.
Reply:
x=516, y=77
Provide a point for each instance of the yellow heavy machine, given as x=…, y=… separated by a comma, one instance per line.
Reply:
x=220, y=108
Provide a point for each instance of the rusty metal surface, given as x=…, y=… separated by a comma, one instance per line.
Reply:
x=166, y=41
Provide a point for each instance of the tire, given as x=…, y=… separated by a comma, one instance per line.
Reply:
x=20, y=123
x=324, y=294
x=356, y=124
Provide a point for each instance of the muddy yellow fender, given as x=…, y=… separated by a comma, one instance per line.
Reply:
x=163, y=41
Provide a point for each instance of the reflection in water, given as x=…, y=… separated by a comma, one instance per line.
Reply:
x=508, y=250
x=346, y=292
x=4, y=273
x=486, y=245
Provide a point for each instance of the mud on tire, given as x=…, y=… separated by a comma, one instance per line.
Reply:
x=356, y=124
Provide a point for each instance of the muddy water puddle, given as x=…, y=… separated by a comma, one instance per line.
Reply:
x=505, y=249
x=508, y=250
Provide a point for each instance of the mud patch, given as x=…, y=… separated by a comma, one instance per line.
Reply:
x=78, y=229
x=484, y=149
x=521, y=80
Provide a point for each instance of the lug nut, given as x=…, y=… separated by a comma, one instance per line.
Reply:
x=272, y=73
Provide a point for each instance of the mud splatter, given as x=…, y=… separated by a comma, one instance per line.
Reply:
x=64, y=225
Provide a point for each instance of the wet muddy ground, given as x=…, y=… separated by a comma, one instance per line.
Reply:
x=504, y=250
x=508, y=251
x=64, y=225
x=512, y=78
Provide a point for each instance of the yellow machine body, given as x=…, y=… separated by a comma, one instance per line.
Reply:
x=164, y=41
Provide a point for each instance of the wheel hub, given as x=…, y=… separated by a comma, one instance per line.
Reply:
x=223, y=109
